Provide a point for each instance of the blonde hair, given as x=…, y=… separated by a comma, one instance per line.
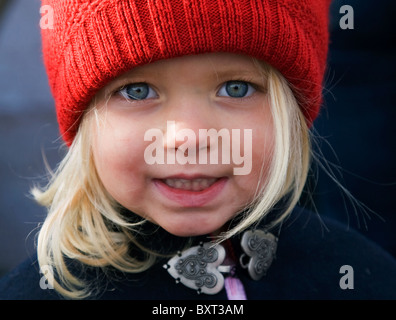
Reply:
x=84, y=222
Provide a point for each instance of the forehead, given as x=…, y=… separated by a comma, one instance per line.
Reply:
x=217, y=64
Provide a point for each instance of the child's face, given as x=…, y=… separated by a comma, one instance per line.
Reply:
x=184, y=195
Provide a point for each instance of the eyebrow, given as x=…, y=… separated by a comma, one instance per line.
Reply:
x=223, y=70
x=255, y=76
x=230, y=73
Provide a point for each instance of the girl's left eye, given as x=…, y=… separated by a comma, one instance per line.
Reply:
x=137, y=91
x=236, y=89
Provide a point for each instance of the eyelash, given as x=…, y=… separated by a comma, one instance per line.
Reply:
x=252, y=88
x=223, y=91
x=150, y=92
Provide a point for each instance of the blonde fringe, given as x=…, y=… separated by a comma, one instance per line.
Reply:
x=81, y=213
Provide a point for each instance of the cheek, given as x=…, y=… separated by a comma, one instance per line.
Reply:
x=263, y=146
x=118, y=160
x=261, y=154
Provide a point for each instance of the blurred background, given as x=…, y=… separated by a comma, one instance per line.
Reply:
x=356, y=130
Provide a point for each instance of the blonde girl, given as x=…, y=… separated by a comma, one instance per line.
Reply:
x=145, y=205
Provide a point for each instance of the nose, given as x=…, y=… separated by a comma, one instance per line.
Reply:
x=185, y=125
x=182, y=138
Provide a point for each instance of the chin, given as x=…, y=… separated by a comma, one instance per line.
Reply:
x=191, y=229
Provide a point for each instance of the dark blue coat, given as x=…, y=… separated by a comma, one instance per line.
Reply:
x=307, y=266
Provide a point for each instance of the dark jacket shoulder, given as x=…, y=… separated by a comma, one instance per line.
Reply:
x=320, y=258
x=317, y=258
x=26, y=282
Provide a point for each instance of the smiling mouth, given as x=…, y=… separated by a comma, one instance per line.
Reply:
x=190, y=191
x=190, y=184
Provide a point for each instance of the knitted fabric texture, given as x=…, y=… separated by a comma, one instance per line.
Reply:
x=94, y=41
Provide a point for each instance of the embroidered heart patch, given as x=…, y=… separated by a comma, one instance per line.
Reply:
x=261, y=247
x=197, y=268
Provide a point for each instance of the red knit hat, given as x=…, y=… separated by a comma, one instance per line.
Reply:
x=94, y=41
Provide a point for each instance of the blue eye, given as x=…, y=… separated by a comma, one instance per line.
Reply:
x=137, y=91
x=236, y=89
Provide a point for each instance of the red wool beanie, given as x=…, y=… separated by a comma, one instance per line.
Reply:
x=94, y=41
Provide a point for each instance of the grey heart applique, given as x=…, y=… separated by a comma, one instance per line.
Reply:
x=261, y=247
x=199, y=268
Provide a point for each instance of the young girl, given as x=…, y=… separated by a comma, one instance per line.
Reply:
x=188, y=127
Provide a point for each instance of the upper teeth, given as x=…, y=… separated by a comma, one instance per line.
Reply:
x=193, y=184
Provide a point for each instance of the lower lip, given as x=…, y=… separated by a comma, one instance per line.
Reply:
x=188, y=198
